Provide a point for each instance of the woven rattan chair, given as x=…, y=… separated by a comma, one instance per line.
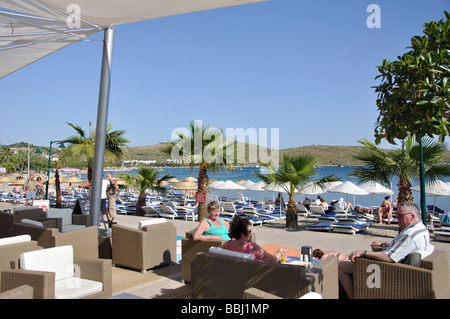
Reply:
x=190, y=249
x=22, y=292
x=144, y=248
x=380, y=280
x=225, y=277
x=43, y=282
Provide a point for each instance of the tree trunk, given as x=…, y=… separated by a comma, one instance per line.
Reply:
x=291, y=214
x=404, y=191
x=139, y=204
x=203, y=187
x=58, y=188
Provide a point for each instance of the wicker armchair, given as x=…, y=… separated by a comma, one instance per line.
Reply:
x=84, y=241
x=43, y=282
x=12, y=252
x=380, y=280
x=144, y=248
x=190, y=249
x=225, y=277
x=22, y=292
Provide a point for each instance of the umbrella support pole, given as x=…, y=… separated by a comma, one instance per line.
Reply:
x=102, y=122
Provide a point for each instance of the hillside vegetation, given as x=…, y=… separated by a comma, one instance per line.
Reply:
x=325, y=154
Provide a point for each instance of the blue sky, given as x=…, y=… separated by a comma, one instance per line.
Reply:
x=304, y=67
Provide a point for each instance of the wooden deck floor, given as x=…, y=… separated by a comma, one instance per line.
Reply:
x=160, y=283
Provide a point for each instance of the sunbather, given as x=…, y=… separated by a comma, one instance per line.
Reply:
x=320, y=254
x=212, y=227
x=385, y=210
x=240, y=232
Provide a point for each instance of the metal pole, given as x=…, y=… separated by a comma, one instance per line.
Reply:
x=102, y=119
x=48, y=169
x=423, y=203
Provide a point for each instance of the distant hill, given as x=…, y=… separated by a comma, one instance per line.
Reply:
x=325, y=154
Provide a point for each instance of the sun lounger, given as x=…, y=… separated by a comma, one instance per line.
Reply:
x=349, y=228
x=270, y=213
x=151, y=211
x=361, y=215
x=316, y=211
x=228, y=209
x=302, y=210
x=322, y=226
x=169, y=212
x=442, y=234
x=256, y=218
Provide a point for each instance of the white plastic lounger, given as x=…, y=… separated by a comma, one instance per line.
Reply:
x=258, y=218
x=443, y=234
x=228, y=209
x=168, y=212
x=302, y=210
x=349, y=228
x=316, y=211
x=151, y=211
x=322, y=226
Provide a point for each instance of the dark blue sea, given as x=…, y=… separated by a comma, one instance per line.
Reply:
x=247, y=173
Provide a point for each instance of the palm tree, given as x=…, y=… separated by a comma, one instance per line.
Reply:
x=82, y=146
x=295, y=173
x=384, y=165
x=130, y=179
x=148, y=178
x=203, y=146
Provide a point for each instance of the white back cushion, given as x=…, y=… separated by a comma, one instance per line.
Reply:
x=57, y=259
x=15, y=239
x=226, y=252
x=143, y=223
x=32, y=222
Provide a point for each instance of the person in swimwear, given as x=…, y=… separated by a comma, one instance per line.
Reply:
x=385, y=210
x=320, y=254
x=212, y=227
x=240, y=232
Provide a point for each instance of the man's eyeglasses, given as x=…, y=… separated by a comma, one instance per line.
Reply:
x=404, y=214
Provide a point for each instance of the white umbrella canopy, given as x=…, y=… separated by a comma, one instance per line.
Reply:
x=258, y=186
x=247, y=184
x=228, y=185
x=45, y=26
x=373, y=187
x=278, y=188
x=313, y=189
x=349, y=188
x=436, y=188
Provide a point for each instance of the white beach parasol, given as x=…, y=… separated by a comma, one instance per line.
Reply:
x=348, y=188
x=227, y=185
x=247, y=184
x=436, y=188
x=313, y=189
x=373, y=187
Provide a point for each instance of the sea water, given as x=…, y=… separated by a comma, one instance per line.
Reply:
x=247, y=173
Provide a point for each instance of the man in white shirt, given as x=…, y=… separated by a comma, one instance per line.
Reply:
x=105, y=183
x=413, y=237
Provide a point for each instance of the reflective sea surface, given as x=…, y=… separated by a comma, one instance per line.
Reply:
x=247, y=173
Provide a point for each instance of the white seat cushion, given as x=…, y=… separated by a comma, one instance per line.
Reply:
x=75, y=288
x=57, y=259
x=143, y=223
x=15, y=240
